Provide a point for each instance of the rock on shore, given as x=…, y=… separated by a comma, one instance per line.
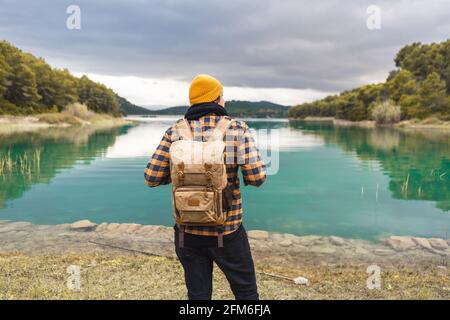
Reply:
x=405, y=243
x=83, y=225
x=86, y=236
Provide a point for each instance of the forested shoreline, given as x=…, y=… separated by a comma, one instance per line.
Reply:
x=28, y=85
x=418, y=88
x=235, y=108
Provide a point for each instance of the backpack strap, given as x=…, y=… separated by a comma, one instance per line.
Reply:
x=184, y=129
x=220, y=129
x=220, y=237
x=181, y=236
x=220, y=240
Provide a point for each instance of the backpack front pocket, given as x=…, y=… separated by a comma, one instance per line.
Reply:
x=195, y=205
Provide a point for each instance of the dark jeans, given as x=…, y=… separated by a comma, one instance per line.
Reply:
x=234, y=259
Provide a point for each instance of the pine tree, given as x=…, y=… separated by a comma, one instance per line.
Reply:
x=5, y=75
x=433, y=92
x=23, y=89
x=28, y=84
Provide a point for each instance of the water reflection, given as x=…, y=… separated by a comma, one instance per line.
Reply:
x=346, y=181
x=36, y=157
x=141, y=141
x=417, y=161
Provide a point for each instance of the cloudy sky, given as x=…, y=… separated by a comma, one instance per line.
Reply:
x=284, y=51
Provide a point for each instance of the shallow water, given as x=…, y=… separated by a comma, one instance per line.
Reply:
x=345, y=181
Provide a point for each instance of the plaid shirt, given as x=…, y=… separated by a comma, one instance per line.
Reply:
x=245, y=155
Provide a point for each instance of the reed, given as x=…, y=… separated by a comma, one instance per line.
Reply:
x=6, y=163
x=9, y=162
x=405, y=187
x=37, y=159
x=24, y=164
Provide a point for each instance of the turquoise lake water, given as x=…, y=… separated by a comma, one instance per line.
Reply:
x=345, y=181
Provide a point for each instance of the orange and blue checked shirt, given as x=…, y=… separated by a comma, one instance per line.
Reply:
x=244, y=152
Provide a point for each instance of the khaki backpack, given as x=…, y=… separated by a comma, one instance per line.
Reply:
x=199, y=179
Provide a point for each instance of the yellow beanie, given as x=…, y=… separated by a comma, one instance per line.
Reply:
x=204, y=88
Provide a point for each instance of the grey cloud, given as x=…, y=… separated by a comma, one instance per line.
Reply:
x=322, y=45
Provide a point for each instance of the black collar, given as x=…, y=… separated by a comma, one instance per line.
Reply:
x=199, y=110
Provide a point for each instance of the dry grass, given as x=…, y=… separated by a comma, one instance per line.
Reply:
x=428, y=123
x=59, y=118
x=80, y=111
x=74, y=114
x=386, y=113
x=141, y=277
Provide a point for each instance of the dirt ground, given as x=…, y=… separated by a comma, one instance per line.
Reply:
x=130, y=261
x=135, y=276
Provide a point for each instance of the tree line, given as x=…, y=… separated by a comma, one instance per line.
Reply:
x=419, y=87
x=28, y=85
x=235, y=108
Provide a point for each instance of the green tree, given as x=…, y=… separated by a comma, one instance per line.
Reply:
x=28, y=84
x=402, y=83
x=23, y=90
x=5, y=75
x=65, y=88
x=349, y=107
x=433, y=93
x=45, y=81
x=97, y=96
x=420, y=59
x=420, y=86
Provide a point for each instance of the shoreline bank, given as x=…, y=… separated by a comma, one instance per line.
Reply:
x=85, y=236
x=430, y=123
x=131, y=261
x=20, y=124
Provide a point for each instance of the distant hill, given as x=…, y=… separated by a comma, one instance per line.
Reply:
x=179, y=110
x=131, y=109
x=236, y=108
x=261, y=109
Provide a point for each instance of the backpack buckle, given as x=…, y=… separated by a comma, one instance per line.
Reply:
x=180, y=173
x=208, y=174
